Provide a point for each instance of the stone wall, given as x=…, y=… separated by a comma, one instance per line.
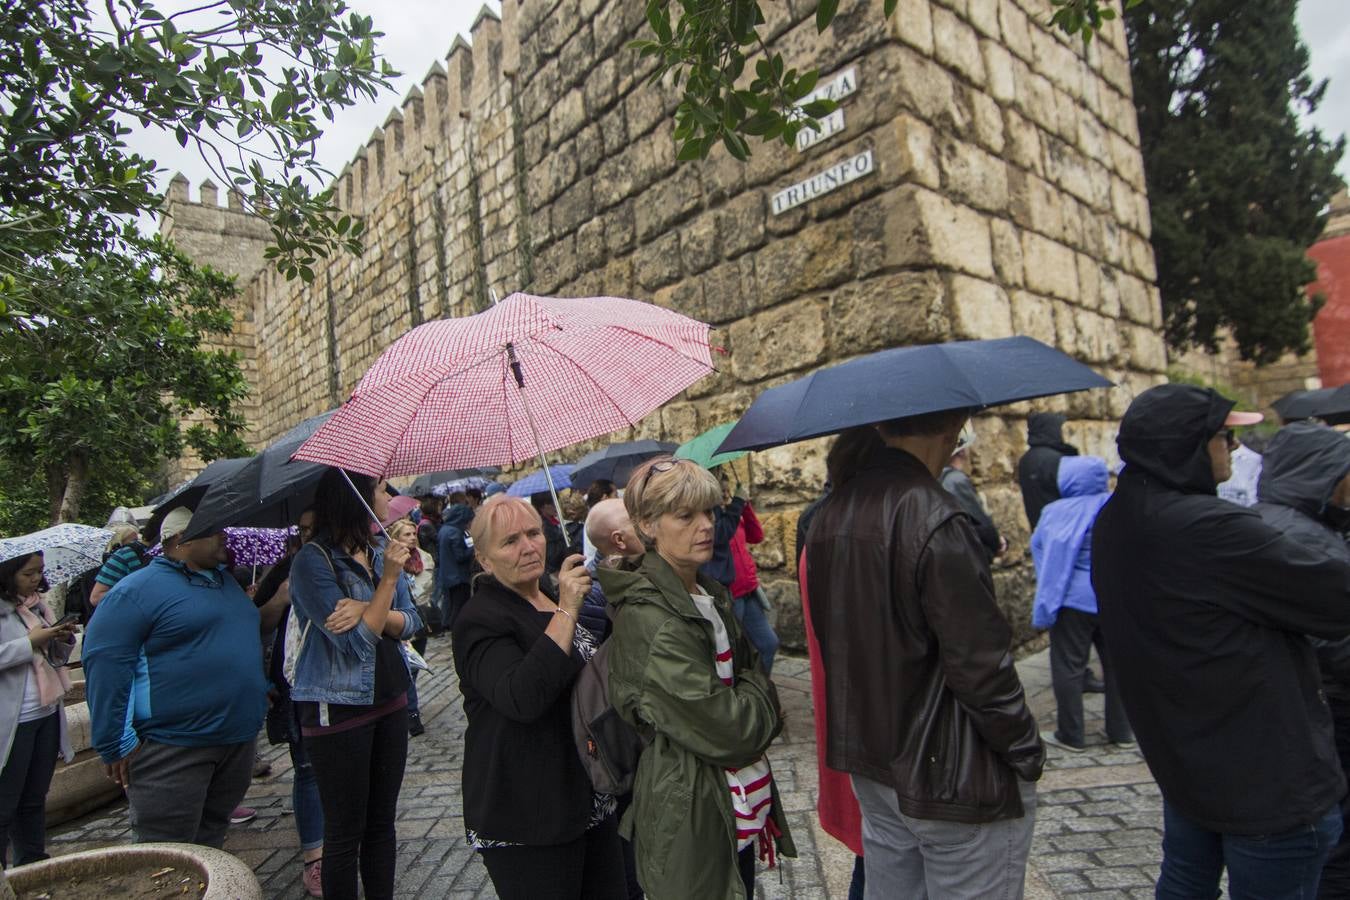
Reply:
x=999, y=189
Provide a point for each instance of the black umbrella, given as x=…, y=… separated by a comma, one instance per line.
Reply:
x=425, y=484
x=1335, y=409
x=617, y=461
x=190, y=493
x=1297, y=405
x=269, y=492
x=908, y=381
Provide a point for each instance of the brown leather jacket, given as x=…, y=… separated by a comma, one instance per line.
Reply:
x=921, y=690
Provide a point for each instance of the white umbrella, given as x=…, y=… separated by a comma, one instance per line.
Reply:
x=68, y=550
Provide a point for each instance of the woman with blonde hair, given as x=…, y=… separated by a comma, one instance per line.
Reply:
x=682, y=672
x=528, y=804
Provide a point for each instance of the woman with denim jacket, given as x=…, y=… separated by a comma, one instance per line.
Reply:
x=354, y=610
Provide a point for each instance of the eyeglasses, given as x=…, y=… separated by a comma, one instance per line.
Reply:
x=664, y=465
x=1231, y=438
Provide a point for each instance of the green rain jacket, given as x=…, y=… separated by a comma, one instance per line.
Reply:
x=663, y=681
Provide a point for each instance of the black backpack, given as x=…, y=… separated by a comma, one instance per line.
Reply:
x=608, y=746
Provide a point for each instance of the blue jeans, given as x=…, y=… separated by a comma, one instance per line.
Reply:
x=751, y=615
x=1284, y=866
x=305, y=797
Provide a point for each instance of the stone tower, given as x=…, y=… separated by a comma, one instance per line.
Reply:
x=982, y=178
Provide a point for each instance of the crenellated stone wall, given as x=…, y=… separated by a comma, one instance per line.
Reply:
x=986, y=181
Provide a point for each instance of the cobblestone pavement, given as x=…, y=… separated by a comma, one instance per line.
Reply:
x=1098, y=830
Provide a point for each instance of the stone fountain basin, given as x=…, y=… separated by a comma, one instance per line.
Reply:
x=226, y=877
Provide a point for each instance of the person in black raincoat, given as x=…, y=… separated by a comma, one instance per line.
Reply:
x=1038, y=469
x=1204, y=607
x=1304, y=493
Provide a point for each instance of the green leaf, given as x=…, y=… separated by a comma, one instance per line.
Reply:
x=888, y=8
x=690, y=150
x=825, y=11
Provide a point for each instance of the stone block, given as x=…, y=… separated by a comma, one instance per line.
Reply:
x=998, y=67
x=819, y=256
x=590, y=148
x=573, y=207
x=1050, y=267
x=619, y=228
x=644, y=107
x=729, y=290
x=924, y=228
x=778, y=340
x=912, y=23
x=567, y=115
x=1033, y=316
x=927, y=87
x=666, y=202
x=1016, y=30
x=980, y=309
x=741, y=223
x=679, y=421
x=890, y=310
x=577, y=62
x=972, y=176
x=914, y=157
x=616, y=179
x=986, y=119
x=591, y=252
x=1023, y=142
x=613, y=131
x=956, y=45
x=1007, y=245
x=657, y=264
x=1136, y=303
x=1145, y=348
x=699, y=244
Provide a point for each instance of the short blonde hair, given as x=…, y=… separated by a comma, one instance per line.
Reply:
x=398, y=526
x=122, y=535
x=492, y=517
x=669, y=485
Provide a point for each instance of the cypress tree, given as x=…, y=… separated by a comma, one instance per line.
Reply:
x=1238, y=187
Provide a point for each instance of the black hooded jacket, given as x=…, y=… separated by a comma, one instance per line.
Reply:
x=1300, y=471
x=1038, y=469
x=1204, y=608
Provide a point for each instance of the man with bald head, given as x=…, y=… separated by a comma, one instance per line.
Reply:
x=616, y=541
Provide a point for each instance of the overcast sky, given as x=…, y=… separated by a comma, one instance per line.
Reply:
x=419, y=32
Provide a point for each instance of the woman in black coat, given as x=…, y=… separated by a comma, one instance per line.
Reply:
x=528, y=804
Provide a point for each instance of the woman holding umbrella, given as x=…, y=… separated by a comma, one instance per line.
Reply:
x=353, y=609
x=33, y=725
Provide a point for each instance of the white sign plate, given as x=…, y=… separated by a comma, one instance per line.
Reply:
x=829, y=126
x=833, y=178
x=836, y=89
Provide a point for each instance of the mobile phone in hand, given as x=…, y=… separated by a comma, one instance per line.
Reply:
x=67, y=619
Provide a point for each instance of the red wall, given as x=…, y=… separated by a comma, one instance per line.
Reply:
x=1331, y=328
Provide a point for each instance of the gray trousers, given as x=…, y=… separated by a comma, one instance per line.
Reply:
x=918, y=859
x=186, y=794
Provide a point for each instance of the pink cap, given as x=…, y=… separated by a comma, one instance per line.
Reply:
x=1235, y=419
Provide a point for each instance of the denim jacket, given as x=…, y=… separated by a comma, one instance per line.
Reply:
x=339, y=668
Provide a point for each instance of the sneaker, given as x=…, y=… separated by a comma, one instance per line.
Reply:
x=242, y=814
x=1092, y=684
x=1053, y=738
x=415, y=726
x=312, y=878
x=1125, y=745
x=261, y=767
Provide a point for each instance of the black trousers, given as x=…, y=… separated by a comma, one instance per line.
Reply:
x=360, y=773
x=23, y=789
x=589, y=868
x=1072, y=638
x=1336, y=871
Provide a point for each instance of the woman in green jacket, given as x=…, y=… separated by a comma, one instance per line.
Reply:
x=683, y=674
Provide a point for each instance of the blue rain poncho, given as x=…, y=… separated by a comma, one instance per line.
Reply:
x=1061, y=546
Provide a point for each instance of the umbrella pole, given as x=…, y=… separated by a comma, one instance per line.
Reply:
x=538, y=444
x=374, y=518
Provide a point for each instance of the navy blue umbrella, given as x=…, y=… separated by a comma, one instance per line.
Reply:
x=617, y=461
x=908, y=381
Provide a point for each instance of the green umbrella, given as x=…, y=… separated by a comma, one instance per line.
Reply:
x=703, y=449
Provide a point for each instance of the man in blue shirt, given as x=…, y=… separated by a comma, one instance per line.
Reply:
x=176, y=689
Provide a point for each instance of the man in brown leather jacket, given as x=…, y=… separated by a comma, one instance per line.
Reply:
x=925, y=709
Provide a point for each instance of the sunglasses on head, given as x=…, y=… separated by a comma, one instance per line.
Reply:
x=664, y=465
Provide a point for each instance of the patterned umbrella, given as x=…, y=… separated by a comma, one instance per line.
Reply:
x=68, y=551
x=250, y=546
x=530, y=375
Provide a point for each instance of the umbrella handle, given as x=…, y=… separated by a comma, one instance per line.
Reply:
x=374, y=518
x=538, y=445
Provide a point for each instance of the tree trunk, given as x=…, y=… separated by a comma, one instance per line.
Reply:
x=56, y=489
x=77, y=476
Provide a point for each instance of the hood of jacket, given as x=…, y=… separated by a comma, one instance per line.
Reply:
x=1047, y=430
x=1165, y=431
x=650, y=579
x=1302, y=467
x=459, y=515
x=1082, y=476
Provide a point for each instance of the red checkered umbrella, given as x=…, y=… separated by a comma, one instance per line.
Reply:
x=530, y=375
